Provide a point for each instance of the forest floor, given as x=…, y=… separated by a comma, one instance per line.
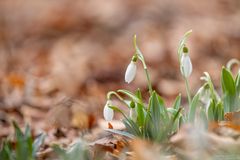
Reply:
x=59, y=59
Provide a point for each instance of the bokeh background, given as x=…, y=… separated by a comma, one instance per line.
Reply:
x=80, y=49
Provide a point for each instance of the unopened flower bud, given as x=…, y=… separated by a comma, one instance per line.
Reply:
x=186, y=65
x=132, y=104
x=133, y=114
x=185, y=49
x=205, y=95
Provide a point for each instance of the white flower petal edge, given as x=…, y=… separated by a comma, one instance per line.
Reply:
x=186, y=65
x=133, y=114
x=130, y=72
x=108, y=112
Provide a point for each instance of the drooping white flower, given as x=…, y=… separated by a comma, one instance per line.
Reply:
x=205, y=97
x=108, y=112
x=133, y=114
x=186, y=65
x=130, y=72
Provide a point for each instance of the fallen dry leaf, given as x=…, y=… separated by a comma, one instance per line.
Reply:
x=144, y=150
x=109, y=143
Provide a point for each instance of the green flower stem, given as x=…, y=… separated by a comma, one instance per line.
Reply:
x=147, y=73
x=188, y=91
x=139, y=54
x=148, y=80
x=118, y=96
x=232, y=62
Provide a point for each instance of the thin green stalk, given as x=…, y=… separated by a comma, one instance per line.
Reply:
x=140, y=56
x=188, y=91
x=147, y=74
x=148, y=80
x=118, y=96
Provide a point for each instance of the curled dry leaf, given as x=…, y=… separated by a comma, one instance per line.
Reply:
x=84, y=113
x=233, y=117
x=225, y=129
x=60, y=115
x=110, y=143
x=13, y=90
x=72, y=113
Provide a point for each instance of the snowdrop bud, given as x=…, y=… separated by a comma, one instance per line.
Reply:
x=132, y=104
x=108, y=112
x=133, y=114
x=205, y=96
x=186, y=65
x=130, y=72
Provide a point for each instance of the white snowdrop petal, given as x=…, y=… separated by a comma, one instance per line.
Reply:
x=133, y=114
x=108, y=112
x=130, y=72
x=186, y=65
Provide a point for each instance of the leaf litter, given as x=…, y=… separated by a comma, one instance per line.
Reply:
x=64, y=53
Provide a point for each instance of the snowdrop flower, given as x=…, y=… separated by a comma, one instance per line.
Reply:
x=107, y=111
x=133, y=114
x=186, y=64
x=132, y=111
x=205, y=96
x=131, y=72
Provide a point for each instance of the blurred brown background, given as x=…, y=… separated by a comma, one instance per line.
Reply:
x=80, y=49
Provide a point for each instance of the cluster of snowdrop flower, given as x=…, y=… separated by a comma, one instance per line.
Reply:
x=130, y=74
x=185, y=68
x=129, y=77
x=154, y=120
